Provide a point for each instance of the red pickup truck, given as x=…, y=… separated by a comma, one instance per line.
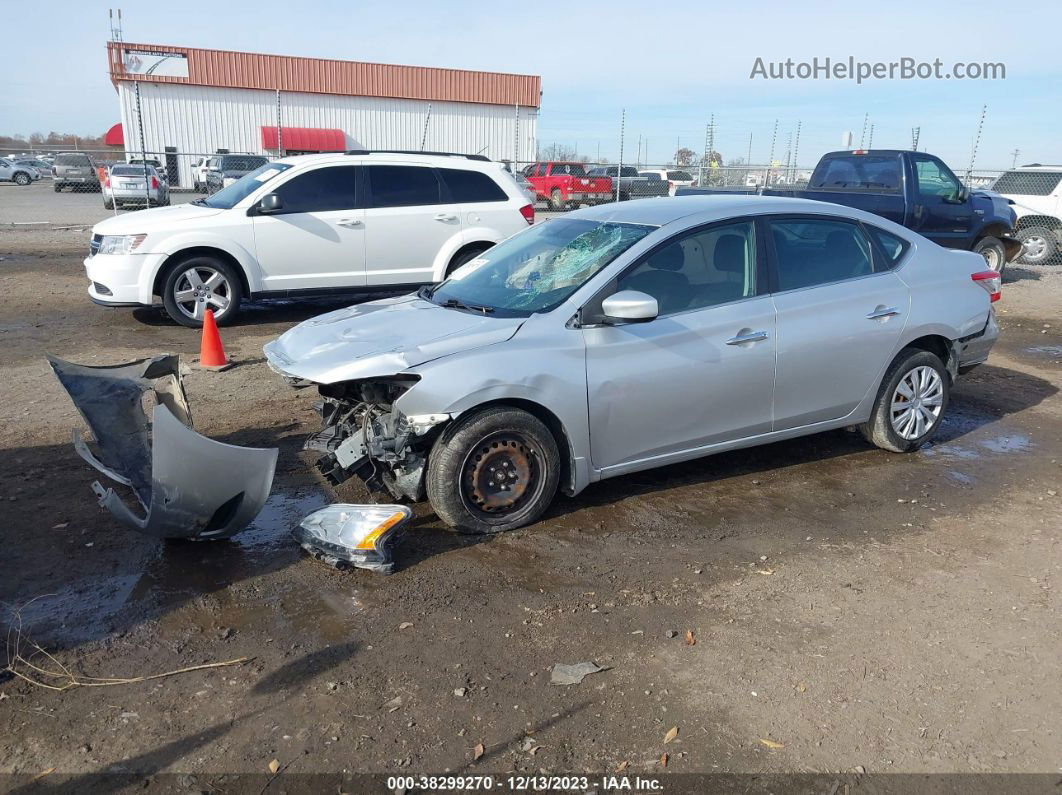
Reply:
x=567, y=184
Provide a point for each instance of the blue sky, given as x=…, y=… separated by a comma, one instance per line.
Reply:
x=669, y=64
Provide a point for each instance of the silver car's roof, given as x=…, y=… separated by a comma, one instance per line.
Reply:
x=705, y=209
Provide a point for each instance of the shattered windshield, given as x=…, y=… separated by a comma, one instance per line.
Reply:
x=539, y=269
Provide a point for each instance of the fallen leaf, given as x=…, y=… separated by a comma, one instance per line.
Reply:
x=477, y=752
x=802, y=687
x=274, y=766
x=406, y=625
x=690, y=640
x=43, y=773
x=622, y=766
x=772, y=744
x=534, y=750
x=672, y=733
x=768, y=572
x=663, y=760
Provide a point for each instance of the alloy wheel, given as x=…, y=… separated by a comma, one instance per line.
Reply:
x=200, y=288
x=1035, y=248
x=917, y=402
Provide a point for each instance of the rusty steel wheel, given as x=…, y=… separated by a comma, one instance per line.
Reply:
x=494, y=469
x=499, y=473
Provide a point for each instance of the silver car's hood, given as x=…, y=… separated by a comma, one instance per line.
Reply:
x=381, y=338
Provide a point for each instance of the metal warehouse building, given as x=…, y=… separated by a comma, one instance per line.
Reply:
x=194, y=102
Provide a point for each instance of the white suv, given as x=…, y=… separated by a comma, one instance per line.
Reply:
x=308, y=225
x=1036, y=194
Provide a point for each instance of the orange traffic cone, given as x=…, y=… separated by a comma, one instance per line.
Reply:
x=211, y=352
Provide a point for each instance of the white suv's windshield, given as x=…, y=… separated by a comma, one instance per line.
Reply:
x=226, y=198
x=536, y=270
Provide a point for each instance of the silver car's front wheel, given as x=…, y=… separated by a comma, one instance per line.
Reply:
x=917, y=402
x=911, y=402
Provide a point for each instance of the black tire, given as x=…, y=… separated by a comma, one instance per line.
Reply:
x=507, y=442
x=556, y=200
x=22, y=179
x=57, y=187
x=994, y=252
x=880, y=429
x=175, y=279
x=1044, y=242
x=466, y=255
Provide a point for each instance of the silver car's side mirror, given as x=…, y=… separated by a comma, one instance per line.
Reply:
x=629, y=306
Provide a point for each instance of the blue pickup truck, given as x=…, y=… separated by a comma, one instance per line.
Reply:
x=914, y=189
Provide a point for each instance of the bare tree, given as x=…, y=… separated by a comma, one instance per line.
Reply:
x=684, y=157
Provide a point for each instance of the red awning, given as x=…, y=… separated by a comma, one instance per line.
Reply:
x=305, y=139
x=114, y=136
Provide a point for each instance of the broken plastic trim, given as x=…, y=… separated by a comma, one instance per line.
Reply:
x=362, y=536
x=188, y=485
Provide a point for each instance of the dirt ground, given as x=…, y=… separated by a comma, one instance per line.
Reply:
x=849, y=607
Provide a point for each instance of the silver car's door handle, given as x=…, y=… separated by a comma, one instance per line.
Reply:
x=445, y=217
x=752, y=336
x=883, y=312
x=348, y=222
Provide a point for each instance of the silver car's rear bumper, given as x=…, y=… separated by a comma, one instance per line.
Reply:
x=974, y=350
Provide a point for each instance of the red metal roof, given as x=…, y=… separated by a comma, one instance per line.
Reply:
x=114, y=136
x=305, y=139
x=225, y=69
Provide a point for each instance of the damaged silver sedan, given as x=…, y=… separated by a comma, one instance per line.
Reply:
x=630, y=336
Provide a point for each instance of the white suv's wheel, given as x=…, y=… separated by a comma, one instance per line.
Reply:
x=1039, y=245
x=22, y=179
x=197, y=284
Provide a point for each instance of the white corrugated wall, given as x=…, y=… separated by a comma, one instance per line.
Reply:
x=199, y=120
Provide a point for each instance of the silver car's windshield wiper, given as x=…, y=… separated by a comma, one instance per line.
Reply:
x=453, y=303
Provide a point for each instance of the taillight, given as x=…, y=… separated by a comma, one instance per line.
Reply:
x=991, y=281
x=528, y=212
x=154, y=183
x=670, y=184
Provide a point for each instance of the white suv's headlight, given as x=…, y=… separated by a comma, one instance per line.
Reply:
x=120, y=244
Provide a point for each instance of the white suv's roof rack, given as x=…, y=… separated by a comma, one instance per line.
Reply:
x=414, y=152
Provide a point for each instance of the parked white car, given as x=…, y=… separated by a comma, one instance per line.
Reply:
x=136, y=184
x=1036, y=195
x=312, y=224
x=199, y=170
x=10, y=171
x=675, y=178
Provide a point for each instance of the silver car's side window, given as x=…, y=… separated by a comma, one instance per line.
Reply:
x=708, y=267
x=811, y=251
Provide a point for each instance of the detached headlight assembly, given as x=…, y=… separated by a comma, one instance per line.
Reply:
x=120, y=244
x=362, y=536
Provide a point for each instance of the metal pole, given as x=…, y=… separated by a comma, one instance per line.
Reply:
x=143, y=149
x=796, y=148
x=711, y=143
x=770, y=157
x=870, y=140
x=707, y=153
x=619, y=167
x=280, y=140
x=516, y=138
x=424, y=138
x=863, y=135
x=976, y=143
